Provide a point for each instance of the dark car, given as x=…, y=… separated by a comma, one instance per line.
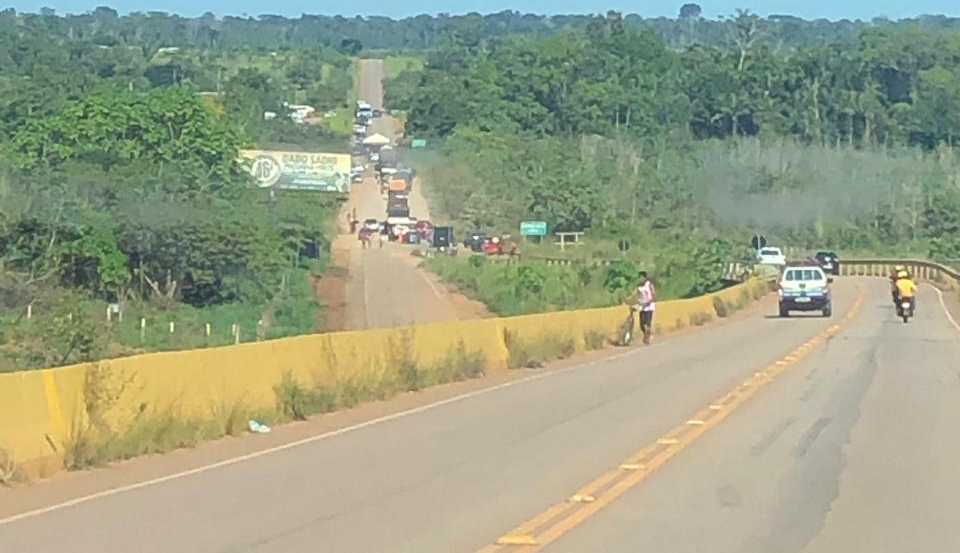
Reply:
x=474, y=241
x=828, y=260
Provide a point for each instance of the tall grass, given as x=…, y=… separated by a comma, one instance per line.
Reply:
x=292, y=312
x=525, y=287
x=103, y=433
x=536, y=351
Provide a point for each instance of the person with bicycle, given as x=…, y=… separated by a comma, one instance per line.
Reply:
x=644, y=304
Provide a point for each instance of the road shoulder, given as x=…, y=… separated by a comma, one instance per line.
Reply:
x=68, y=486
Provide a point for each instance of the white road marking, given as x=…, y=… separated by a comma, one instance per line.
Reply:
x=946, y=310
x=320, y=437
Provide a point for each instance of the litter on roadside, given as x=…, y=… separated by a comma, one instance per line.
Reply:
x=258, y=428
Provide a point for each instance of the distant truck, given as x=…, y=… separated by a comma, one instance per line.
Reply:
x=398, y=185
x=397, y=205
x=388, y=157
x=398, y=210
x=364, y=110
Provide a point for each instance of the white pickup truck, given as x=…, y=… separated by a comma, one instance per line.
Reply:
x=805, y=288
x=770, y=255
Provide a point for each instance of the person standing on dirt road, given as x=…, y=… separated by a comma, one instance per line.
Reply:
x=364, y=237
x=645, y=305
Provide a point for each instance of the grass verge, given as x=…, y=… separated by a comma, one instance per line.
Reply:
x=534, y=353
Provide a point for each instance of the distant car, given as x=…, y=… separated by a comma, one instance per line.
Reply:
x=359, y=129
x=377, y=113
x=356, y=177
x=805, y=288
x=371, y=224
x=771, y=256
x=474, y=241
x=374, y=157
x=828, y=260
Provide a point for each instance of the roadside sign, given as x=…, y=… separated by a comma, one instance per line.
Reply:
x=533, y=228
x=418, y=143
x=623, y=245
x=758, y=241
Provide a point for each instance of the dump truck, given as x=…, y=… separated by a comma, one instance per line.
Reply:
x=398, y=185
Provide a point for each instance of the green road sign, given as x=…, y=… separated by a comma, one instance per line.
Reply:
x=418, y=143
x=533, y=228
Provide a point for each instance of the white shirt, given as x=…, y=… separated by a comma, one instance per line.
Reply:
x=646, y=296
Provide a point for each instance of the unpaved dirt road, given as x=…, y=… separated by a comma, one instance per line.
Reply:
x=384, y=286
x=851, y=449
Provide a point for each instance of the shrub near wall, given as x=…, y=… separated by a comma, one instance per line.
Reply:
x=89, y=414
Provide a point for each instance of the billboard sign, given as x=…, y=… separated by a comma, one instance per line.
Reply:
x=319, y=172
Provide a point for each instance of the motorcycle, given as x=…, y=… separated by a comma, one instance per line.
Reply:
x=905, y=308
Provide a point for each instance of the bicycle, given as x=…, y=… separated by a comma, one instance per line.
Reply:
x=625, y=336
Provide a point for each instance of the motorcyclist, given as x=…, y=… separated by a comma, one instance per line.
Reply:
x=906, y=288
x=894, y=276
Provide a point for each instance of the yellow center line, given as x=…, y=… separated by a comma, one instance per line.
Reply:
x=562, y=517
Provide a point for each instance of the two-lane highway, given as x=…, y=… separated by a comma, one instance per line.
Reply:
x=849, y=449
x=854, y=450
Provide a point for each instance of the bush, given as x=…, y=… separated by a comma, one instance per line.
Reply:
x=699, y=318
x=232, y=417
x=533, y=354
x=477, y=261
x=402, y=359
x=458, y=364
x=297, y=402
x=594, y=340
x=9, y=471
x=619, y=276
x=720, y=307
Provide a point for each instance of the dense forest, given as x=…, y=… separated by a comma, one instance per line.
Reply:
x=119, y=135
x=156, y=29
x=847, y=144
x=119, y=183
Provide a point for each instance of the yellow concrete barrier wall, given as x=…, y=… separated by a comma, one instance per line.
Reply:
x=41, y=412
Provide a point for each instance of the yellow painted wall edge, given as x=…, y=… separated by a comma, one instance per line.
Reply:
x=43, y=413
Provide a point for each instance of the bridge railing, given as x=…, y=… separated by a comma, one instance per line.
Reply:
x=922, y=269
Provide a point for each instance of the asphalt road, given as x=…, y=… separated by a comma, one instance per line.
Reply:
x=853, y=450
x=386, y=289
x=370, y=87
x=850, y=450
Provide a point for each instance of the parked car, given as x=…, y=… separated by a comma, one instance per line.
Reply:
x=828, y=260
x=805, y=288
x=371, y=224
x=474, y=241
x=771, y=256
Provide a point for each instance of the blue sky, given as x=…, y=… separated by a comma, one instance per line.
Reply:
x=831, y=9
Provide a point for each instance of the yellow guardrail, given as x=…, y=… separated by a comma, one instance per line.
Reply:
x=52, y=416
